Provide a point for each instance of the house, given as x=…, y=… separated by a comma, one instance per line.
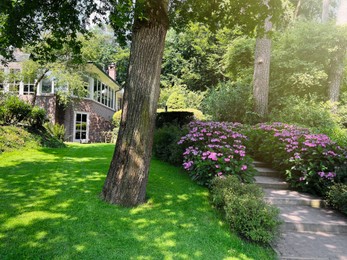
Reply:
x=85, y=119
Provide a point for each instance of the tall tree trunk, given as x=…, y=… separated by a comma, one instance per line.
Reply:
x=262, y=72
x=337, y=61
x=325, y=11
x=128, y=173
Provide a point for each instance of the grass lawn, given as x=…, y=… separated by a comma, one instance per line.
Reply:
x=50, y=209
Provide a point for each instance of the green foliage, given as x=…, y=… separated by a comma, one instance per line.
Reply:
x=312, y=162
x=238, y=61
x=176, y=101
x=229, y=102
x=56, y=130
x=13, y=110
x=180, y=118
x=198, y=115
x=37, y=117
x=15, y=138
x=185, y=98
x=309, y=112
x=305, y=111
x=165, y=145
x=302, y=57
x=337, y=197
x=245, y=209
x=116, y=118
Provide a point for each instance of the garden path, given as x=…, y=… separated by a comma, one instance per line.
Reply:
x=309, y=230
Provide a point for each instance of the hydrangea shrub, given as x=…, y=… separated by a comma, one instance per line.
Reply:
x=312, y=161
x=216, y=149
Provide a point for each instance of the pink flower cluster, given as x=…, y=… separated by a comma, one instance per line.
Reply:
x=214, y=149
x=310, y=155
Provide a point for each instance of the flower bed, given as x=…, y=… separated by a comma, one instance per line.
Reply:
x=312, y=161
x=216, y=149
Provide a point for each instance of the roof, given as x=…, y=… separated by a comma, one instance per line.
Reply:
x=102, y=75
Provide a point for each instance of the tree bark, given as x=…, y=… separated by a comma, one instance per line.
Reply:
x=325, y=11
x=337, y=61
x=262, y=72
x=128, y=173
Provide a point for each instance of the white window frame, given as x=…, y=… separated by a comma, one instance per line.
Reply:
x=74, y=126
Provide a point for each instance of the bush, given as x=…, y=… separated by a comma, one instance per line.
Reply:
x=165, y=145
x=198, y=115
x=245, y=210
x=176, y=100
x=180, y=118
x=13, y=110
x=116, y=118
x=37, y=117
x=312, y=161
x=305, y=111
x=337, y=197
x=56, y=130
x=215, y=149
x=229, y=102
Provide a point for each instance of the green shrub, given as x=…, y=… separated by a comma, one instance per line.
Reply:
x=13, y=110
x=37, y=117
x=116, y=118
x=337, y=197
x=245, y=210
x=198, y=115
x=176, y=100
x=228, y=102
x=180, y=118
x=165, y=145
x=56, y=130
x=305, y=111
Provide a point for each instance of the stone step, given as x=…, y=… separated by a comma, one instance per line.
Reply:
x=263, y=171
x=288, y=197
x=260, y=164
x=267, y=182
x=311, y=245
x=308, y=219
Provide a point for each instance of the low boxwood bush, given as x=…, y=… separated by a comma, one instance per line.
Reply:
x=165, y=146
x=215, y=149
x=337, y=197
x=245, y=210
x=180, y=118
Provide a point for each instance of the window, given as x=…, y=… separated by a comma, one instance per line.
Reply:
x=28, y=87
x=103, y=94
x=119, y=103
x=14, y=80
x=46, y=86
x=81, y=127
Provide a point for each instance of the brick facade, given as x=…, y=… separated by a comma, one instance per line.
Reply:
x=99, y=119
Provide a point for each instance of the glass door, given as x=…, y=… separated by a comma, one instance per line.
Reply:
x=81, y=127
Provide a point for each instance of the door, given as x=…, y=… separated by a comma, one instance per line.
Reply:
x=81, y=128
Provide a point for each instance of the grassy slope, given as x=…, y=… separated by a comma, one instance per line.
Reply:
x=50, y=209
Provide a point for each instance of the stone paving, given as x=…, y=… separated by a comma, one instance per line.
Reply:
x=310, y=230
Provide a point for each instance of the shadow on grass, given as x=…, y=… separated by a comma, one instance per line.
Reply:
x=50, y=208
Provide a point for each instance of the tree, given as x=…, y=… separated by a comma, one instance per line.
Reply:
x=262, y=71
x=148, y=21
x=338, y=56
